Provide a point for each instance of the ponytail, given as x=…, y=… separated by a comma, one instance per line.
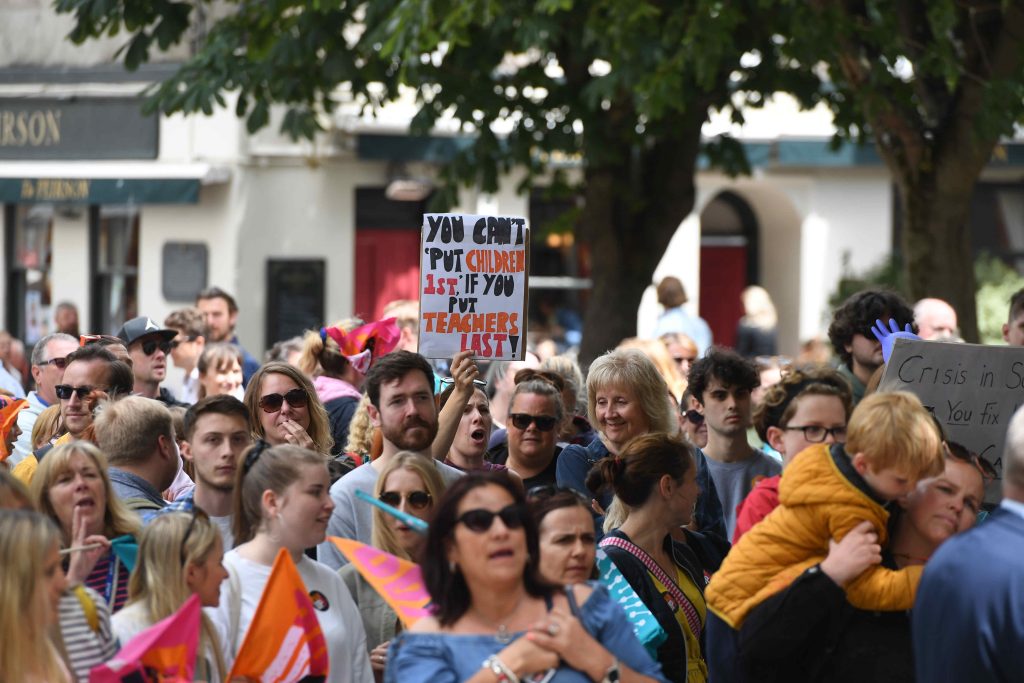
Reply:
x=636, y=471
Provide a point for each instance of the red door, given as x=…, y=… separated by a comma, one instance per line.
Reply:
x=723, y=275
x=387, y=268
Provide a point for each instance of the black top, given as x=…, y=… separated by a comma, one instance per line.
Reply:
x=499, y=456
x=755, y=341
x=339, y=412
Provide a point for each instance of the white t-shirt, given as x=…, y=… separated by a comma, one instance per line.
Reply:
x=133, y=620
x=224, y=524
x=339, y=617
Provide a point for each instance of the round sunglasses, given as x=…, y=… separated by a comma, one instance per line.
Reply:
x=480, y=520
x=418, y=500
x=271, y=403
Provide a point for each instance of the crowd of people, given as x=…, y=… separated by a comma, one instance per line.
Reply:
x=774, y=521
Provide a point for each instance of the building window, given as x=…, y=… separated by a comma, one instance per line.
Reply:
x=29, y=247
x=114, y=246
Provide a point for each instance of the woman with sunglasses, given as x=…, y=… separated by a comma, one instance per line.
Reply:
x=810, y=405
x=31, y=582
x=566, y=535
x=495, y=619
x=284, y=409
x=809, y=632
x=220, y=371
x=180, y=555
x=655, y=477
x=535, y=413
x=282, y=501
x=411, y=484
x=72, y=487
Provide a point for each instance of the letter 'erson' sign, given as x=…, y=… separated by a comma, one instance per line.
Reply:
x=473, y=286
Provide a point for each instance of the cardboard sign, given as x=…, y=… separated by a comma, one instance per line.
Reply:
x=398, y=581
x=166, y=651
x=972, y=389
x=473, y=286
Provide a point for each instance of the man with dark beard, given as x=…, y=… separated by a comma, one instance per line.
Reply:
x=401, y=390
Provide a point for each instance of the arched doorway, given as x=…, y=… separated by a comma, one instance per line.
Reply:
x=729, y=261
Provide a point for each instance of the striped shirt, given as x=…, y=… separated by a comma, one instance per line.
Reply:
x=85, y=647
x=112, y=585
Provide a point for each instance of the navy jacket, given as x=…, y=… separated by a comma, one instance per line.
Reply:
x=968, y=620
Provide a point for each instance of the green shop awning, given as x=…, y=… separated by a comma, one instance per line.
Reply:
x=105, y=183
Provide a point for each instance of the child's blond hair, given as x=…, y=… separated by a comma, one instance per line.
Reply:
x=894, y=431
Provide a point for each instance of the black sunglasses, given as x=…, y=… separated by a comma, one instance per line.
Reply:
x=545, y=423
x=175, y=343
x=448, y=380
x=694, y=417
x=59, y=363
x=64, y=391
x=480, y=520
x=418, y=500
x=271, y=403
x=150, y=347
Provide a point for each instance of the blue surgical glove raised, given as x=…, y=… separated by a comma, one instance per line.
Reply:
x=889, y=336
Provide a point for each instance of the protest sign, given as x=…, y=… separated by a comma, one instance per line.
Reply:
x=165, y=651
x=972, y=389
x=473, y=286
x=398, y=581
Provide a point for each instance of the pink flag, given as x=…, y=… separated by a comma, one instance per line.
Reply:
x=398, y=581
x=163, y=653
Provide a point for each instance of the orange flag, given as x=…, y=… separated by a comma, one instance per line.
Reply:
x=398, y=581
x=165, y=652
x=284, y=643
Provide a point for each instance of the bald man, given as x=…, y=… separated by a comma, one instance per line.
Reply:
x=935, y=319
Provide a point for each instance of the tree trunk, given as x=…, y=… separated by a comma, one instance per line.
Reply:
x=634, y=204
x=937, y=254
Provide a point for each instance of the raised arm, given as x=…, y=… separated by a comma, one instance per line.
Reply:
x=464, y=371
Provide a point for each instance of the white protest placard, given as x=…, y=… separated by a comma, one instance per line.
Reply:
x=473, y=286
x=972, y=389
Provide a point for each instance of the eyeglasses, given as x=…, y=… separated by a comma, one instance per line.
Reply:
x=695, y=418
x=271, y=403
x=957, y=451
x=64, y=391
x=418, y=500
x=816, y=434
x=150, y=347
x=545, y=423
x=59, y=363
x=480, y=520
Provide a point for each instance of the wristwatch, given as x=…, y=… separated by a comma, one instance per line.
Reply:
x=612, y=674
x=505, y=674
